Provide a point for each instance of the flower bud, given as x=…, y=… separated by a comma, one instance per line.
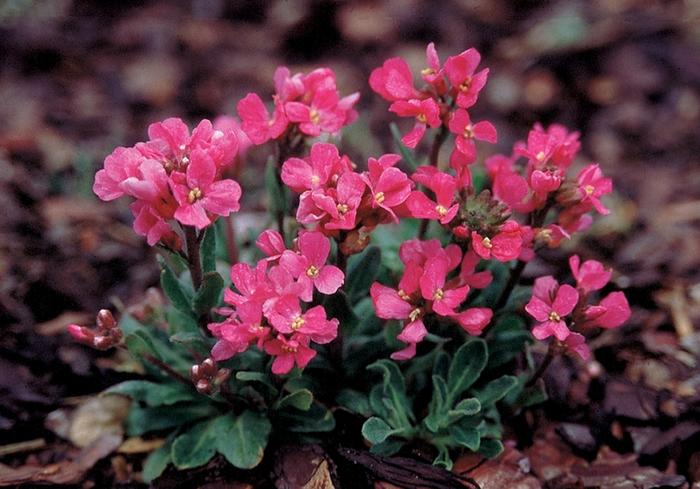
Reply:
x=105, y=320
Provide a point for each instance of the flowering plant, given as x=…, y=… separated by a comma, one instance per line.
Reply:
x=400, y=279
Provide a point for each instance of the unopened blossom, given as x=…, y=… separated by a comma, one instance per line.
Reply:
x=393, y=80
x=466, y=84
x=433, y=74
x=474, y=319
x=590, y=275
x=550, y=305
x=271, y=243
x=576, y=343
x=309, y=265
x=426, y=113
x=612, y=312
x=257, y=122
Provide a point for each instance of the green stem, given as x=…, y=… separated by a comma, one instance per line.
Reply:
x=194, y=262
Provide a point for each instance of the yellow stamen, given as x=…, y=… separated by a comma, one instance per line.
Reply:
x=438, y=295
x=427, y=71
x=486, y=242
x=297, y=323
x=540, y=156
x=194, y=195
x=315, y=179
x=289, y=349
x=342, y=208
x=469, y=131
x=314, y=116
x=403, y=295
x=312, y=272
x=379, y=197
x=422, y=118
x=414, y=314
x=553, y=316
x=185, y=160
x=440, y=209
x=466, y=84
x=544, y=235
x=589, y=189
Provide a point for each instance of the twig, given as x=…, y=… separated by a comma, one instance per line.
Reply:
x=168, y=370
x=22, y=446
x=552, y=351
x=231, y=245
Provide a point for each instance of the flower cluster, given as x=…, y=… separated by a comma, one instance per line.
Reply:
x=267, y=308
x=309, y=102
x=425, y=293
x=105, y=336
x=551, y=304
x=337, y=199
x=174, y=176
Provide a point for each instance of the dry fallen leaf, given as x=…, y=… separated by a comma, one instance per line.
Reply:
x=98, y=416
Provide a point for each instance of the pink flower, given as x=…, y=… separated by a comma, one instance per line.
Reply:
x=474, y=320
x=393, y=80
x=418, y=252
x=613, y=311
x=405, y=354
x=590, y=276
x=504, y=246
x=432, y=286
x=343, y=205
x=321, y=115
x=256, y=120
x=309, y=265
x=286, y=317
x=388, y=303
x=576, y=343
x=389, y=188
x=289, y=352
x=251, y=283
x=313, y=172
x=465, y=132
x=150, y=223
x=592, y=186
x=122, y=164
x=199, y=192
x=433, y=73
x=549, y=305
x=426, y=112
x=271, y=243
x=444, y=186
x=460, y=71
x=468, y=275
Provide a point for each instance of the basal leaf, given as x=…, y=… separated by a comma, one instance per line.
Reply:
x=209, y=294
x=362, y=270
x=466, y=367
x=173, y=289
x=242, y=439
x=154, y=393
x=376, y=430
x=196, y=446
x=496, y=390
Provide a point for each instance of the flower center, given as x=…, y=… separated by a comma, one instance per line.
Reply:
x=589, y=189
x=194, y=195
x=422, y=118
x=312, y=272
x=289, y=349
x=314, y=116
x=540, y=156
x=440, y=209
x=545, y=234
x=315, y=179
x=297, y=323
x=427, y=71
x=342, y=208
x=553, y=316
x=403, y=295
x=468, y=131
x=182, y=147
x=466, y=84
x=379, y=197
x=414, y=314
x=185, y=160
x=486, y=242
x=438, y=295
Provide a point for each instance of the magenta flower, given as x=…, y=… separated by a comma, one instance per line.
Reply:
x=309, y=265
x=199, y=193
x=271, y=243
x=122, y=164
x=426, y=112
x=467, y=84
x=549, y=305
x=468, y=274
x=287, y=318
x=256, y=120
x=444, y=208
x=576, y=343
x=322, y=114
x=393, y=80
x=613, y=311
x=150, y=223
x=592, y=186
x=433, y=73
x=250, y=282
x=474, y=319
x=465, y=132
x=342, y=206
x=432, y=286
x=288, y=352
x=389, y=188
x=504, y=246
x=313, y=172
x=590, y=275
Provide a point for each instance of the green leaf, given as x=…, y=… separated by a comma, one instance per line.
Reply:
x=276, y=192
x=443, y=458
x=507, y=340
x=362, y=271
x=209, y=294
x=437, y=408
x=468, y=363
x=490, y=448
x=388, y=447
x=300, y=399
x=496, y=390
x=181, y=323
x=153, y=393
x=139, y=343
x=242, y=440
x=394, y=393
x=407, y=155
x=173, y=288
x=157, y=461
x=207, y=250
x=354, y=401
x=338, y=306
x=196, y=446
x=375, y=430
x=466, y=437
x=141, y=420
x=468, y=407
x=317, y=419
